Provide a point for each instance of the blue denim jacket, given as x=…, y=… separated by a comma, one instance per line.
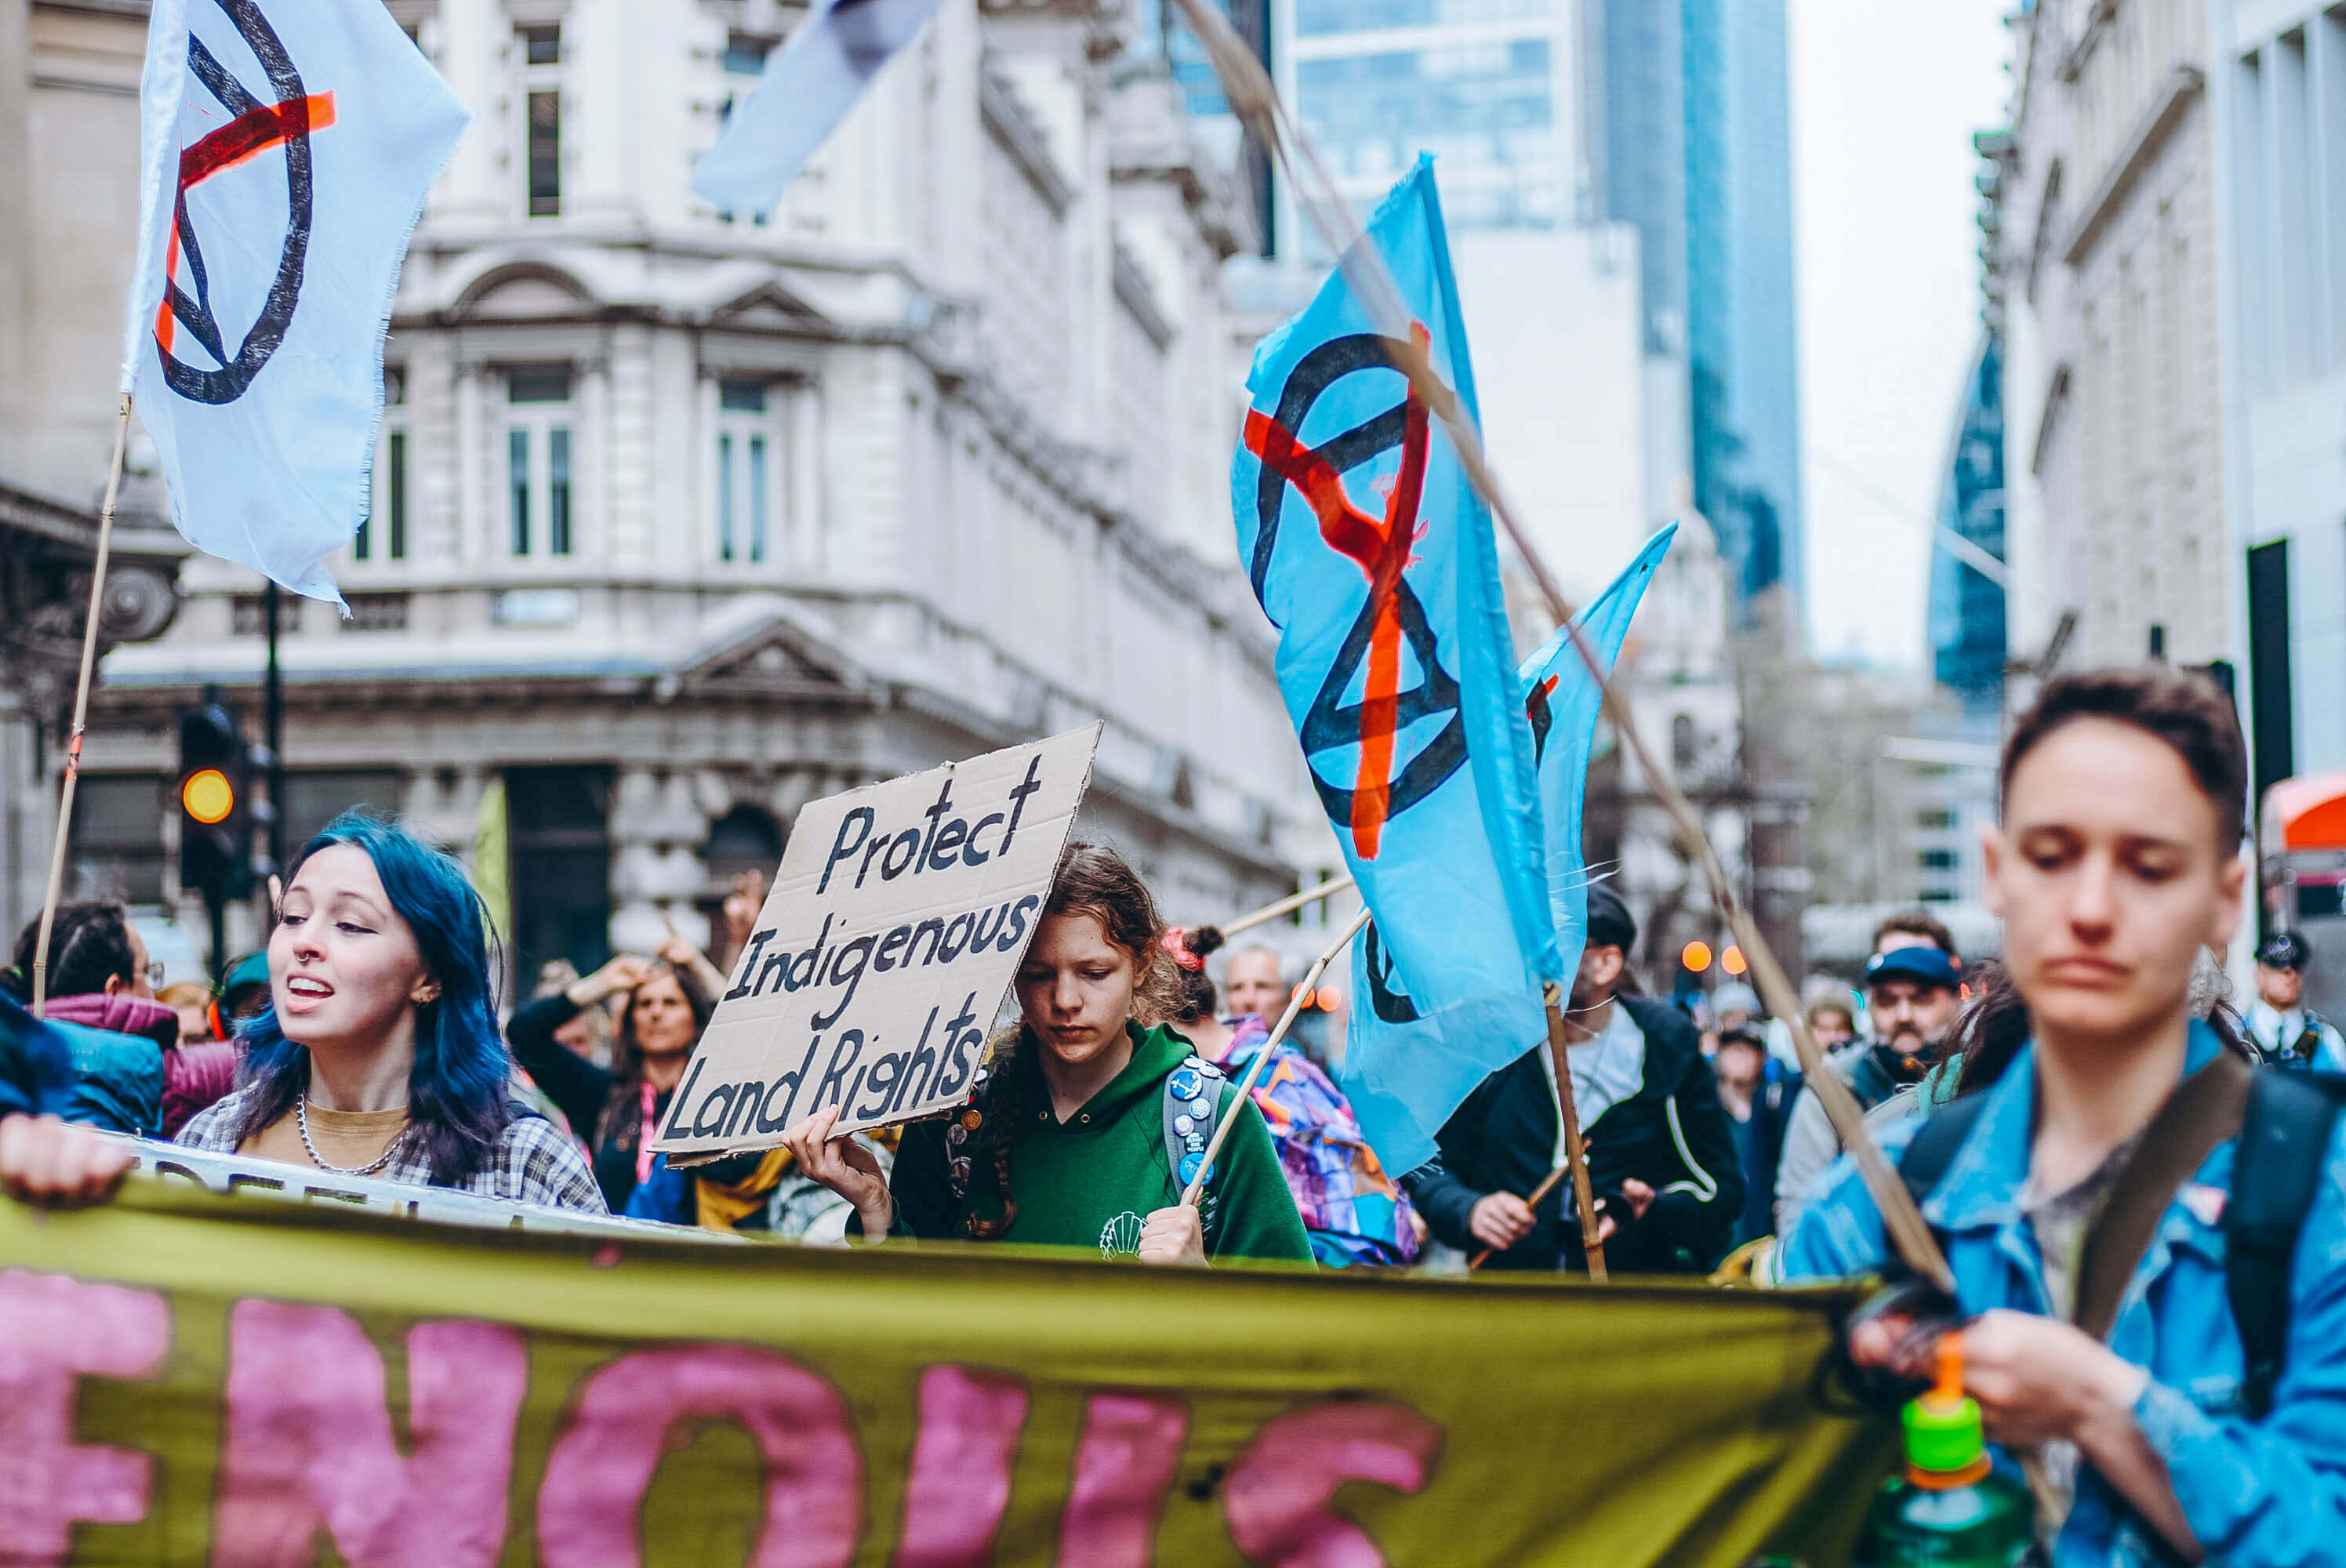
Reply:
x=2271, y=1493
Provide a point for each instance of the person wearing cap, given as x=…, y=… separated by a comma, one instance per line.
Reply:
x=1912, y=984
x=2285, y=1031
x=1661, y=1157
x=245, y=991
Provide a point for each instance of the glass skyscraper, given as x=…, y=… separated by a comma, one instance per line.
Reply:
x=1697, y=152
x=1486, y=86
x=1672, y=116
x=1967, y=626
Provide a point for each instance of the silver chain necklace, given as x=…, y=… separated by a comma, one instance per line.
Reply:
x=301, y=1124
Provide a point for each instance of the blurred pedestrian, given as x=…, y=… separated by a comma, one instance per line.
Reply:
x=665, y=1006
x=1254, y=985
x=1833, y=1022
x=1071, y=1139
x=1352, y=1211
x=1733, y=1005
x=244, y=991
x=591, y=1033
x=1758, y=1097
x=1913, y=985
x=2285, y=1031
x=198, y=1008
x=1661, y=1158
x=101, y=995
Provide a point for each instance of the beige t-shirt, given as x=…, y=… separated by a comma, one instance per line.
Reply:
x=350, y=1139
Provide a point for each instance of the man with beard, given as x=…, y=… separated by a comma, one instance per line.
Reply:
x=1913, y=984
x=1661, y=1158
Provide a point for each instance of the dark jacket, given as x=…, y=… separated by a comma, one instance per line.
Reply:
x=1671, y=1135
x=581, y=1091
x=1762, y=1145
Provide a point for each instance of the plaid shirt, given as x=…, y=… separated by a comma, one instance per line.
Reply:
x=533, y=1162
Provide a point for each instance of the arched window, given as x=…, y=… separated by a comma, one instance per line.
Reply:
x=745, y=838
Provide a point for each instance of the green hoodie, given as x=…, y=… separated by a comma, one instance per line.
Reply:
x=1090, y=1181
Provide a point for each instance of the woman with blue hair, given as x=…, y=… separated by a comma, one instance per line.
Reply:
x=378, y=1054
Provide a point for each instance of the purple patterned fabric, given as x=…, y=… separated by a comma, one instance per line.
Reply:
x=1355, y=1211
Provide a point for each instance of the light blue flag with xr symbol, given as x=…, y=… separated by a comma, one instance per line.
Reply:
x=1373, y=557
x=1561, y=699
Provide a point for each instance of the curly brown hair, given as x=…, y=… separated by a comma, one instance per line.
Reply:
x=1092, y=879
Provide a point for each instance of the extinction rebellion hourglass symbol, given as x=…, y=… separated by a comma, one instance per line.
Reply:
x=1392, y=618
x=255, y=127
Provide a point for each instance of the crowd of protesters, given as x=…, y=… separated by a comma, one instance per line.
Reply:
x=2096, y=1078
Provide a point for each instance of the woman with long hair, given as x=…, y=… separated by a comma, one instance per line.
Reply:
x=2115, y=865
x=616, y=1109
x=1064, y=1143
x=378, y=1054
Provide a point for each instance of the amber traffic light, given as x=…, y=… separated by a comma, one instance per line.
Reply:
x=208, y=796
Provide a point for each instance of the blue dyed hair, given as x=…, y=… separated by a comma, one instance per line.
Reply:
x=458, y=1098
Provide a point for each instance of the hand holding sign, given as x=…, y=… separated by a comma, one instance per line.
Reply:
x=873, y=972
x=846, y=1167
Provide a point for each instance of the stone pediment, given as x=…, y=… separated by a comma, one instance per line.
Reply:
x=769, y=308
x=777, y=658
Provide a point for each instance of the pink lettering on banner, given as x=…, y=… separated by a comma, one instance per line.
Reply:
x=590, y=1507
x=1125, y=1465
x=54, y=1331
x=309, y=1444
x=960, y=1483
x=1276, y=1499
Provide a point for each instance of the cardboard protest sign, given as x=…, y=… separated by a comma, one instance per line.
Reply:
x=900, y=912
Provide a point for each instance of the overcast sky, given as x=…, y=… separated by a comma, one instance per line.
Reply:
x=1885, y=96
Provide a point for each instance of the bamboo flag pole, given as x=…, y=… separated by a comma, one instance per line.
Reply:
x=80, y=714
x=1254, y=1070
x=1287, y=905
x=1576, y=1153
x=1256, y=102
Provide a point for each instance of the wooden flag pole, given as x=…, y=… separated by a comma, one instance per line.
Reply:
x=40, y=976
x=1575, y=1154
x=1251, y=96
x=1254, y=1070
x=1287, y=905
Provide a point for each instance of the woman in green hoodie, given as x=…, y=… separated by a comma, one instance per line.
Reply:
x=1064, y=1143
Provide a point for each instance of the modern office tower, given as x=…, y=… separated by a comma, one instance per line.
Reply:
x=1966, y=623
x=1697, y=152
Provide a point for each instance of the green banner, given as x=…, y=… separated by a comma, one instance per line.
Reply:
x=191, y=1379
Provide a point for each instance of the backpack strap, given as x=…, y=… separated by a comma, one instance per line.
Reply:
x=1196, y=1096
x=1932, y=1148
x=2284, y=1144
x=2206, y=1109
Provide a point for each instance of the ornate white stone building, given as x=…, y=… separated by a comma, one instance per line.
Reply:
x=2114, y=457
x=682, y=519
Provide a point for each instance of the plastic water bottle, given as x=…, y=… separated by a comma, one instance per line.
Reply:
x=1949, y=1510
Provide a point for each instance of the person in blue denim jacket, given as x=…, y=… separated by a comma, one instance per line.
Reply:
x=2116, y=861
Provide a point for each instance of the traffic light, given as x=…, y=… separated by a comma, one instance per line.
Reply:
x=215, y=821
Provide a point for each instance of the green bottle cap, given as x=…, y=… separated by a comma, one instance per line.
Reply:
x=1942, y=1436
x=1945, y=1444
